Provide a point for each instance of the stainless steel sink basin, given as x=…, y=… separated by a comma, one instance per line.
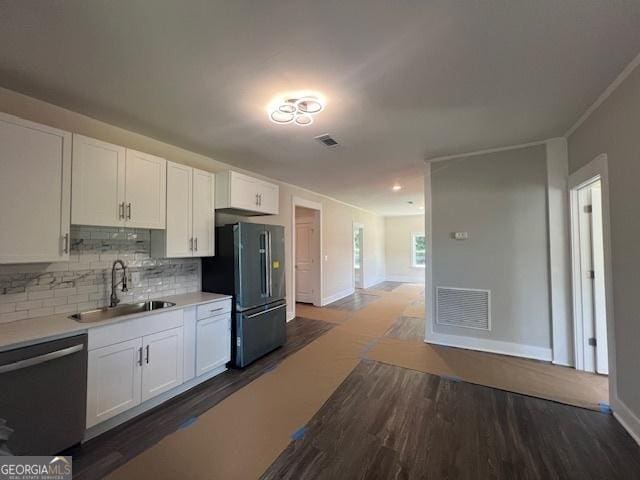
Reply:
x=100, y=314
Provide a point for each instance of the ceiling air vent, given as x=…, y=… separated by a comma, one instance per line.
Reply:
x=327, y=140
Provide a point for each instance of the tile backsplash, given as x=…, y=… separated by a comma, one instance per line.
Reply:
x=83, y=283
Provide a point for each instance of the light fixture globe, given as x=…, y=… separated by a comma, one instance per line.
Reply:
x=298, y=108
x=282, y=117
x=288, y=107
x=303, y=119
x=309, y=105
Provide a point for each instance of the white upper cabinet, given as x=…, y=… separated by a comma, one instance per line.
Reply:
x=203, y=206
x=98, y=183
x=190, y=222
x=114, y=186
x=145, y=190
x=245, y=195
x=35, y=192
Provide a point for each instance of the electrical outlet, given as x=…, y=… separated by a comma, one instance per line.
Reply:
x=460, y=235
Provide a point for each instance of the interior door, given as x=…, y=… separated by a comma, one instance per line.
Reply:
x=113, y=380
x=179, y=211
x=203, y=213
x=162, y=367
x=275, y=262
x=145, y=190
x=97, y=182
x=251, y=277
x=587, y=279
x=35, y=191
x=599, y=301
x=304, y=262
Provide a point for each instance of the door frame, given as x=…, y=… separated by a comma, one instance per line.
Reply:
x=594, y=170
x=357, y=225
x=303, y=202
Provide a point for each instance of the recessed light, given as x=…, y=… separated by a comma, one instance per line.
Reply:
x=296, y=108
x=396, y=187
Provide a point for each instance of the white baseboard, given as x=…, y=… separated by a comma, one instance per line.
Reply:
x=626, y=417
x=491, y=346
x=337, y=296
x=373, y=282
x=290, y=315
x=405, y=278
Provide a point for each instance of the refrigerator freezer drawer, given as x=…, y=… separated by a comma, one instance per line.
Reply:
x=258, y=332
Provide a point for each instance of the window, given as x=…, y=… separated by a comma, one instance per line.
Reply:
x=418, y=250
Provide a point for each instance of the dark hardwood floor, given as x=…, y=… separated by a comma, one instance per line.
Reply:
x=386, y=286
x=353, y=302
x=387, y=422
x=97, y=457
x=407, y=328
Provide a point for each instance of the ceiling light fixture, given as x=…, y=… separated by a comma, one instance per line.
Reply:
x=396, y=188
x=298, y=109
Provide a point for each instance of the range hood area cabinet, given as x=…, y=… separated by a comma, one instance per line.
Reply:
x=190, y=221
x=244, y=195
x=35, y=191
x=113, y=186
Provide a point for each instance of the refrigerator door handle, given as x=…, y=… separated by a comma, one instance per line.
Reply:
x=264, y=287
x=269, y=265
x=253, y=315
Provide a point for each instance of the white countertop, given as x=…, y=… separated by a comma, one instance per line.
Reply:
x=36, y=330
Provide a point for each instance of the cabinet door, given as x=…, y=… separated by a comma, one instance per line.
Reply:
x=162, y=367
x=113, y=383
x=97, y=183
x=213, y=343
x=203, y=214
x=179, y=218
x=35, y=191
x=243, y=191
x=145, y=190
x=268, y=200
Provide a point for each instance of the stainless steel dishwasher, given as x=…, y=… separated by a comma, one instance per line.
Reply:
x=43, y=396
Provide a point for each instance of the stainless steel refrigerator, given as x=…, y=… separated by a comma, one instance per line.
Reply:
x=249, y=264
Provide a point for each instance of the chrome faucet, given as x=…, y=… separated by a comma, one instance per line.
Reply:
x=114, y=297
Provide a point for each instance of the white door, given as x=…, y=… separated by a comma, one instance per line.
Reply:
x=35, y=191
x=268, y=198
x=179, y=219
x=599, y=302
x=113, y=380
x=243, y=191
x=213, y=343
x=305, y=259
x=203, y=213
x=162, y=367
x=97, y=183
x=145, y=190
x=358, y=250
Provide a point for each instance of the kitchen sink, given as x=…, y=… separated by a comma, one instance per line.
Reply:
x=100, y=314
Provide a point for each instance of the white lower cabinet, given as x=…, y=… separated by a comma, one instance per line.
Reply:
x=114, y=380
x=162, y=365
x=213, y=343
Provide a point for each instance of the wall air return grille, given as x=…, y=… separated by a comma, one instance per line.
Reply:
x=327, y=140
x=463, y=307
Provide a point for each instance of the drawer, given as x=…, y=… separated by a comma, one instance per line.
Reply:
x=213, y=308
x=138, y=327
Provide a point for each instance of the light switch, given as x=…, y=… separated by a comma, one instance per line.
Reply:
x=460, y=235
x=326, y=258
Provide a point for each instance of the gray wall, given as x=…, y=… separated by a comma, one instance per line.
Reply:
x=500, y=199
x=614, y=129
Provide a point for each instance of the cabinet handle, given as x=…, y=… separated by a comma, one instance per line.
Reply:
x=196, y=243
x=121, y=211
x=129, y=211
x=147, y=354
x=65, y=249
x=257, y=199
x=140, y=356
x=216, y=310
x=260, y=199
x=191, y=244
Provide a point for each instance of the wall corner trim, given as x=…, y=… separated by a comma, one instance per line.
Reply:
x=626, y=418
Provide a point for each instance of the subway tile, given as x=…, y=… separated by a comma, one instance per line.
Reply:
x=66, y=309
x=29, y=305
x=12, y=298
x=13, y=316
x=40, y=294
x=54, y=302
x=41, y=312
x=7, y=307
x=83, y=297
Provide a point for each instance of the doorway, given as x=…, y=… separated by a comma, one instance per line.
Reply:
x=307, y=255
x=358, y=255
x=588, y=265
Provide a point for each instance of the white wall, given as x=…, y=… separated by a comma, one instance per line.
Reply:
x=338, y=216
x=612, y=129
x=500, y=200
x=397, y=247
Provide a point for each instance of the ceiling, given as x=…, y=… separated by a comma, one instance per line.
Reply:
x=403, y=80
